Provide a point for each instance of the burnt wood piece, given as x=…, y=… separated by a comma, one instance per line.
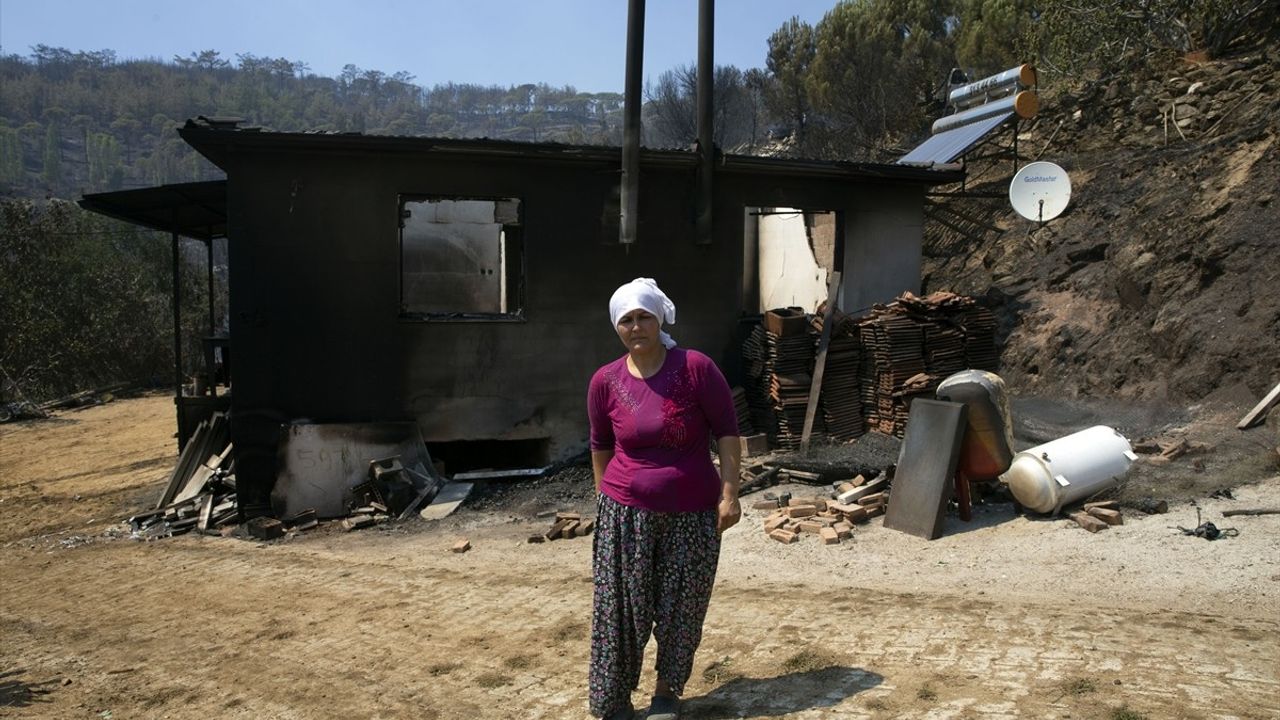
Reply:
x=1255, y=511
x=926, y=467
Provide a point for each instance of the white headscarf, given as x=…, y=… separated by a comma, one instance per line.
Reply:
x=644, y=294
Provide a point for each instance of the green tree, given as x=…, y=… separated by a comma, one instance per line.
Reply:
x=792, y=49
x=11, y=170
x=52, y=156
x=876, y=71
x=993, y=35
x=105, y=170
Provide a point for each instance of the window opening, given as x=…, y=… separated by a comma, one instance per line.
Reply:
x=461, y=258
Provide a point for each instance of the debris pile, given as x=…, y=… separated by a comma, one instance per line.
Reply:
x=914, y=343
x=831, y=518
x=201, y=492
x=566, y=525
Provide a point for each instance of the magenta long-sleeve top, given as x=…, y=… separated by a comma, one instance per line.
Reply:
x=658, y=429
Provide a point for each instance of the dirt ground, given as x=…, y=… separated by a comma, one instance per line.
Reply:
x=1003, y=617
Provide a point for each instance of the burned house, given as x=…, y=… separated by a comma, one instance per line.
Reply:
x=462, y=284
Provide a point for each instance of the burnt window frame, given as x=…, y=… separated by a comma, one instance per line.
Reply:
x=514, y=254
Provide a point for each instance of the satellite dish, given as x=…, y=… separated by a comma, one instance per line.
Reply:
x=1040, y=191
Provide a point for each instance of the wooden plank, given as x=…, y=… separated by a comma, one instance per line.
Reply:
x=446, y=501
x=819, y=367
x=1254, y=511
x=1260, y=410
x=926, y=467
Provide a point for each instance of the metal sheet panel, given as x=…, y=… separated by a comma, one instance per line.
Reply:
x=947, y=146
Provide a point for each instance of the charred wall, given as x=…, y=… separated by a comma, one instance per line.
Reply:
x=316, y=320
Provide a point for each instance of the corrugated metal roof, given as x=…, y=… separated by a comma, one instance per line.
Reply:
x=217, y=144
x=947, y=146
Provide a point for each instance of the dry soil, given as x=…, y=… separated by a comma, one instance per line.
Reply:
x=1003, y=617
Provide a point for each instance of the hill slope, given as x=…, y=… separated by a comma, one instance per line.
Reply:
x=1160, y=280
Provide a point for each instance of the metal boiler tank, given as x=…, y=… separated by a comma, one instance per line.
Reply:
x=987, y=448
x=1069, y=469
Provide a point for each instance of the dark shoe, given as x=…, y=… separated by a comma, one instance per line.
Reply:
x=663, y=707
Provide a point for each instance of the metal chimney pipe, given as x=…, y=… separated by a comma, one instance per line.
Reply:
x=630, y=199
x=706, y=121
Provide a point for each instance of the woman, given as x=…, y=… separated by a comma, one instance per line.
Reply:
x=662, y=505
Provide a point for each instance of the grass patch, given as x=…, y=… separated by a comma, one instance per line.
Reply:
x=518, y=662
x=1124, y=713
x=927, y=692
x=569, y=631
x=808, y=660
x=1079, y=686
x=877, y=704
x=442, y=669
x=492, y=680
x=720, y=671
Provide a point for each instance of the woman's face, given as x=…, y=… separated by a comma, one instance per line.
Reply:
x=638, y=330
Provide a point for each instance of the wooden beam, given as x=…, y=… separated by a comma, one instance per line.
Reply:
x=819, y=366
x=1260, y=410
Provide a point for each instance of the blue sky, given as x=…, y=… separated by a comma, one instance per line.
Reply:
x=504, y=42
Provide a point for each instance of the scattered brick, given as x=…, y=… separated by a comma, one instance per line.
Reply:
x=1106, y=515
x=829, y=536
x=872, y=499
x=801, y=511
x=775, y=523
x=1088, y=522
x=461, y=546
x=783, y=536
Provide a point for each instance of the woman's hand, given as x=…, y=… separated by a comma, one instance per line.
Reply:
x=730, y=513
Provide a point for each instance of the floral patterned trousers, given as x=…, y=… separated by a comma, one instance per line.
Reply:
x=653, y=573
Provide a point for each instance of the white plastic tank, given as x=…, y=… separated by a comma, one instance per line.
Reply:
x=1060, y=472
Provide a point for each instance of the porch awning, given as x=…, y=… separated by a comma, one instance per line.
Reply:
x=196, y=210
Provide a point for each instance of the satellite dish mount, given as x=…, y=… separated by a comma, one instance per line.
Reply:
x=1040, y=191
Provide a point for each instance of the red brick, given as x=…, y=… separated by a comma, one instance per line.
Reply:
x=801, y=511
x=872, y=499
x=829, y=536
x=461, y=546
x=783, y=536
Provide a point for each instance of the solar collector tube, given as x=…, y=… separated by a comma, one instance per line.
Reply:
x=1022, y=76
x=1025, y=104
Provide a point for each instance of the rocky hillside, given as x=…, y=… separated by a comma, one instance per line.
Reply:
x=1162, y=278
